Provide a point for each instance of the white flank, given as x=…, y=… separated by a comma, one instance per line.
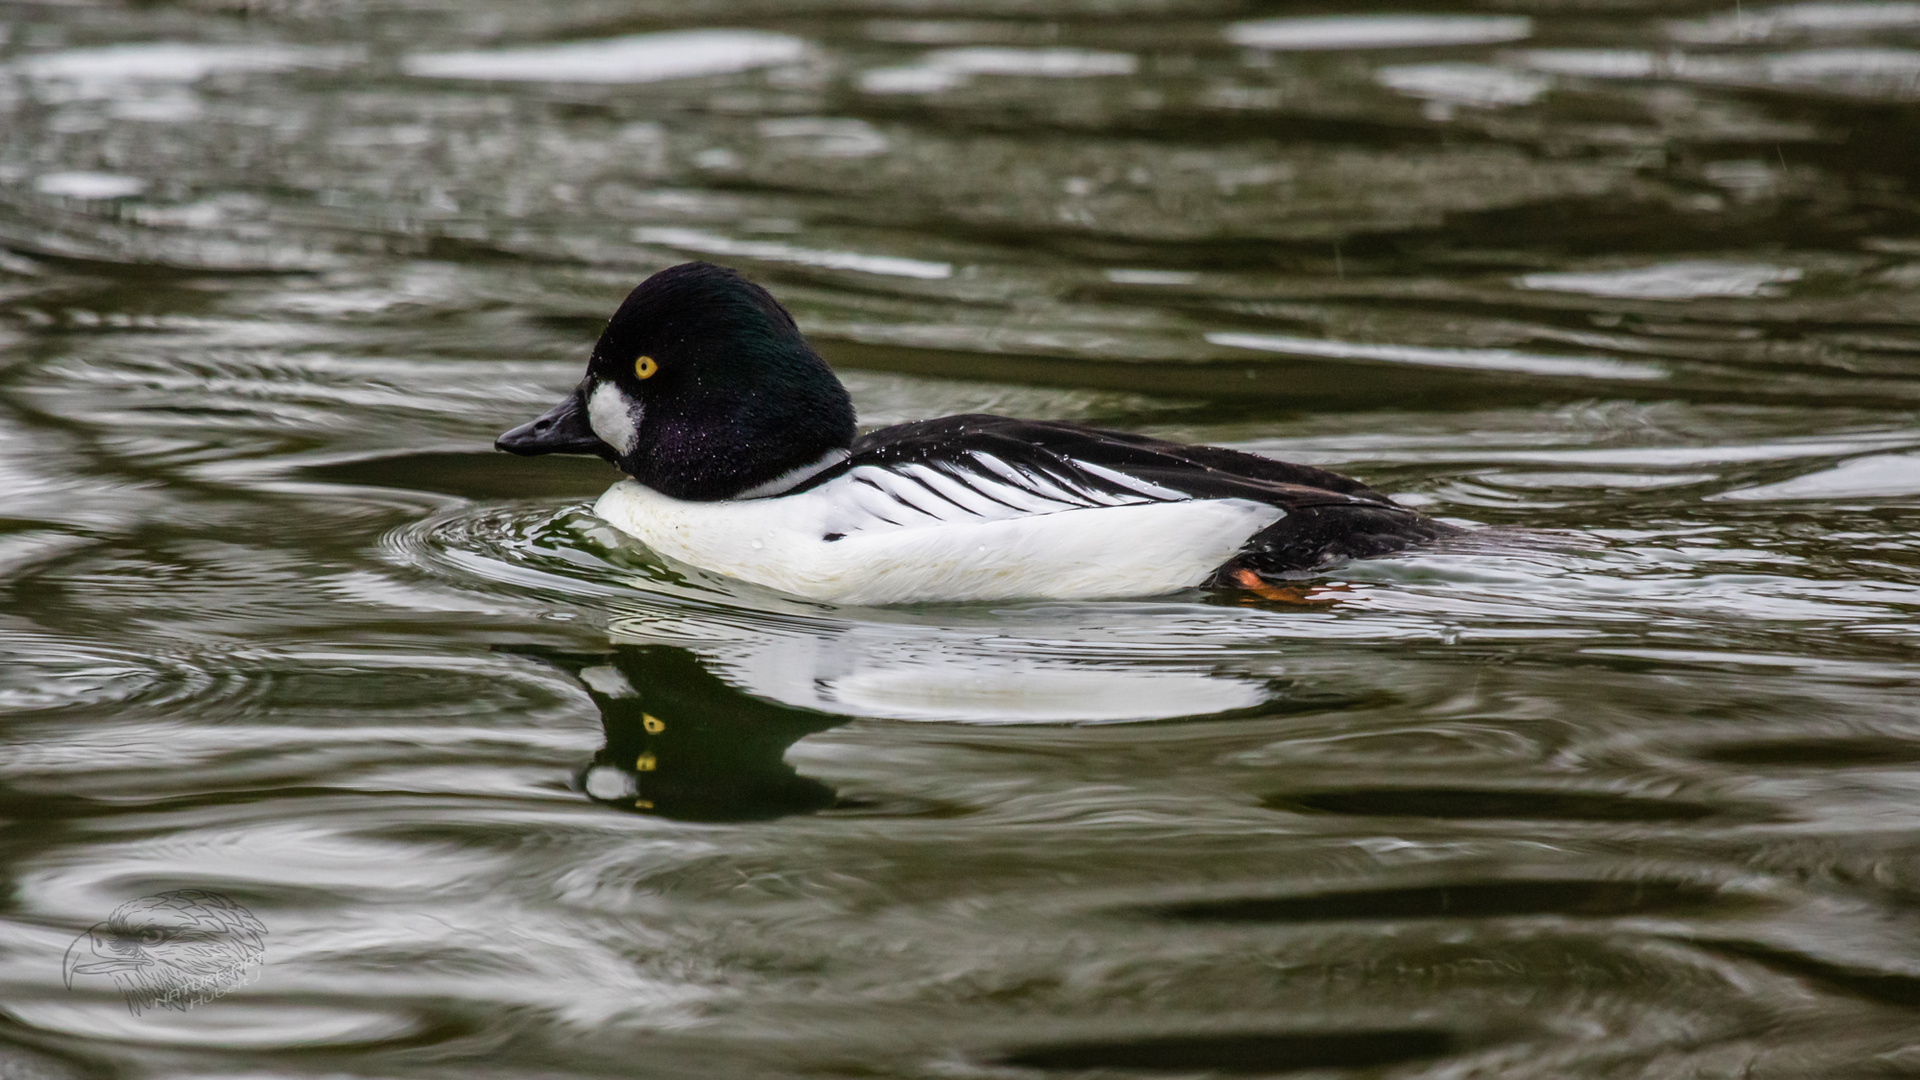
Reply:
x=940, y=552
x=610, y=414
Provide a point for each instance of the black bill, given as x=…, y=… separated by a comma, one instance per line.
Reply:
x=562, y=429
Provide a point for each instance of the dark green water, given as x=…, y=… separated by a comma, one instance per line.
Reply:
x=1633, y=791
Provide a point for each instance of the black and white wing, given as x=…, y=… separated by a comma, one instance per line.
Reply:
x=978, y=467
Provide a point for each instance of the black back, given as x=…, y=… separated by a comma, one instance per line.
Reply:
x=1048, y=447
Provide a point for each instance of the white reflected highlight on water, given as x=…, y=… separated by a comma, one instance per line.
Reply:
x=1585, y=367
x=1885, y=73
x=1628, y=481
x=950, y=31
x=1889, y=73
x=89, y=185
x=1323, y=32
x=826, y=136
x=178, y=745
x=1880, y=476
x=1593, y=63
x=639, y=58
x=1479, y=85
x=1671, y=281
x=225, y=1023
x=1633, y=456
x=1150, y=277
x=946, y=69
x=1717, y=658
x=776, y=251
x=176, y=107
x=103, y=70
x=1760, y=24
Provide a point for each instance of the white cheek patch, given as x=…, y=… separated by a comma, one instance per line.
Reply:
x=607, y=679
x=614, y=418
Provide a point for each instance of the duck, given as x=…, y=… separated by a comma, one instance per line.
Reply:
x=742, y=458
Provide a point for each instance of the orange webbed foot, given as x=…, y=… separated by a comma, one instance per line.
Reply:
x=1303, y=596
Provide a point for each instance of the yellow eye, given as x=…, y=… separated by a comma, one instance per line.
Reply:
x=645, y=367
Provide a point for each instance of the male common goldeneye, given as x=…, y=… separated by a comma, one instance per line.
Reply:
x=740, y=444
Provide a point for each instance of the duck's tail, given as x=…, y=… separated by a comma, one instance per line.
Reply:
x=1312, y=538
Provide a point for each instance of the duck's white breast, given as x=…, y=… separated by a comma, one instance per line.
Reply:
x=887, y=552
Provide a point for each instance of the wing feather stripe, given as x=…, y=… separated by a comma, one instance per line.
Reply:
x=1132, y=483
x=952, y=471
x=956, y=490
x=863, y=500
x=1026, y=482
x=916, y=474
x=1069, y=485
x=888, y=483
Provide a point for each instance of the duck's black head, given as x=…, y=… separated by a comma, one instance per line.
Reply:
x=701, y=387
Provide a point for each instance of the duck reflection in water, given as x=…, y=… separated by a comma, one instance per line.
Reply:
x=683, y=744
x=700, y=710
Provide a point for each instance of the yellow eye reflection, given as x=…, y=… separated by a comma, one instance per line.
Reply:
x=645, y=367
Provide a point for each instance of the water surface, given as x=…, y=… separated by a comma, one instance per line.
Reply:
x=1622, y=784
